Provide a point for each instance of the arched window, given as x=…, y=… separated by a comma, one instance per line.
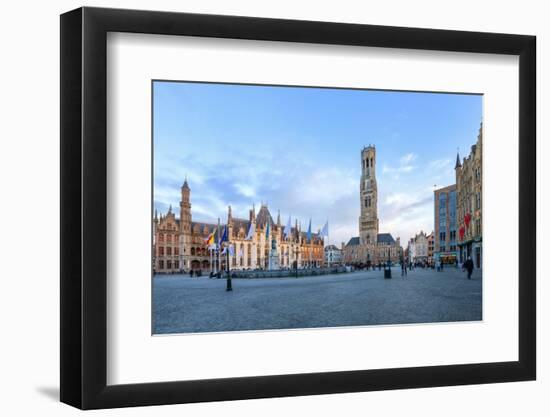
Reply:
x=192, y=251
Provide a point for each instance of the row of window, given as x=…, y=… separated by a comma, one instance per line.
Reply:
x=168, y=237
x=169, y=264
x=478, y=200
x=168, y=251
x=477, y=227
x=443, y=236
x=452, y=248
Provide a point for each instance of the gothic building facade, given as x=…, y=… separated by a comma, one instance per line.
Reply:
x=257, y=242
x=370, y=247
x=469, y=199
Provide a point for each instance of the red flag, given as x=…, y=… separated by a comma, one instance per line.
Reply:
x=467, y=219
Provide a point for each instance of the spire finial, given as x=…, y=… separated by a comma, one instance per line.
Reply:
x=458, y=164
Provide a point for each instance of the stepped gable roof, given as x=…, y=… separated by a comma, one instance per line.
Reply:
x=263, y=217
x=163, y=222
x=354, y=241
x=385, y=238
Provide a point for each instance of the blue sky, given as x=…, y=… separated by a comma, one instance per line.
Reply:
x=298, y=149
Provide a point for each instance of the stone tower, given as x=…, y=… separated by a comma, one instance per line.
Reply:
x=185, y=209
x=368, y=220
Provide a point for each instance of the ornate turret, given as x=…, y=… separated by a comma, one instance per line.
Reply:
x=253, y=213
x=229, y=223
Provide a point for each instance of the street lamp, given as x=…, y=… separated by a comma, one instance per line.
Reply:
x=387, y=271
x=228, y=286
x=296, y=260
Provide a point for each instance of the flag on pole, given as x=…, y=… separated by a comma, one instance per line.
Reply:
x=224, y=251
x=251, y=231
x=210, y=239
x=309, y=231
x=223, y=238
x=267, y=231
x=288, y=228
x=324, y=230
x=231, y=250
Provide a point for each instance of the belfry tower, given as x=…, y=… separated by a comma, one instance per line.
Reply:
x=368, y=221
x=185, y=208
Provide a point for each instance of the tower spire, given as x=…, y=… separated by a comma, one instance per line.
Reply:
x=458, y=164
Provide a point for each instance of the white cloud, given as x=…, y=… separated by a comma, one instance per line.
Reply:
x=405, y=166
x=406, y=213
x=246, y=190
x=408, y=158
x=438, y=164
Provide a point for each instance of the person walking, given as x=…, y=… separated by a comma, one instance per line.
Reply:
x=468, y=266
x=403, y=268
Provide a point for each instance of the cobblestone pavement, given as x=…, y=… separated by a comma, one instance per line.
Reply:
x=182, y=304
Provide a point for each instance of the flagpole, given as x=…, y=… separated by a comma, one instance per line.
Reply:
x=218, y=247
x=328, y=240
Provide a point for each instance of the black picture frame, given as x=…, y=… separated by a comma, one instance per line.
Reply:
x=84, y=179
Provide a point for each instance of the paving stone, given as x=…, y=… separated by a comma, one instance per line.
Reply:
x=192, y=305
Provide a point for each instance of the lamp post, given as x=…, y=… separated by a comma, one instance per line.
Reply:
x=228, y=286
x=387, y=270
x=296, y=260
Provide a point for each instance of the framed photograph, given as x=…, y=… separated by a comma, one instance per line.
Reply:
x=257, y=208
